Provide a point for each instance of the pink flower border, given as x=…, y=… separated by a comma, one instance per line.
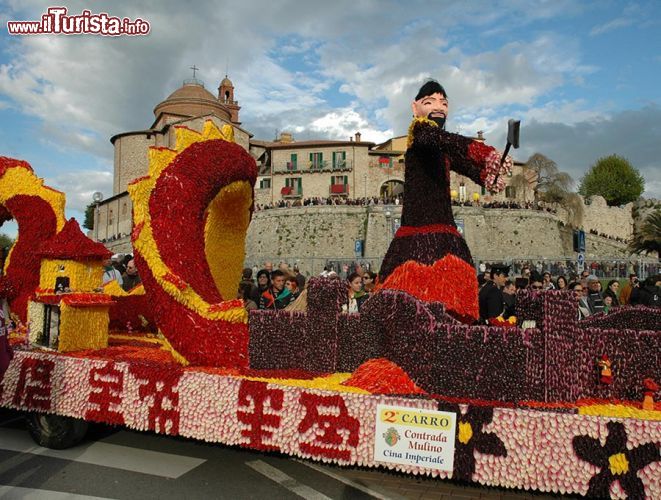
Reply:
x=309, y=423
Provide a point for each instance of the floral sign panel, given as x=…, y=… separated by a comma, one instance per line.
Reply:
x=411, y=436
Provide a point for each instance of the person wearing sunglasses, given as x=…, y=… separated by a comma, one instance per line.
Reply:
x=368, y=281
x=579, y=294
x=536, y=281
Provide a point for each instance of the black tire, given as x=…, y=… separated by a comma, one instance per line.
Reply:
x=55, y=431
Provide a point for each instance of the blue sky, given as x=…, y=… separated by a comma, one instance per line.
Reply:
x=582, y=76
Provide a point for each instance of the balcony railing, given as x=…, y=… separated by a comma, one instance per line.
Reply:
x=291, y=192
x=384, y=162
x=339, y=189
x=308, y=167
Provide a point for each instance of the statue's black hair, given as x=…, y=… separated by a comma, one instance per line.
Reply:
x=429, y=88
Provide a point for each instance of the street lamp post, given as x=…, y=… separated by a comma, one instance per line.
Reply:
x=388, y=214
x=98, y=198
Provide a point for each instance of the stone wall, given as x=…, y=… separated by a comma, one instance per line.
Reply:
x=131, y=160
x=115, y=217
x=329, y=233
x=612, y=221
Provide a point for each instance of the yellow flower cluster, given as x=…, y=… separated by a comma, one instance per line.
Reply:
x=114, y=289
x=621, y=411
x=83, y=276
x=83, y=328
x=331, y=382
x=227, y=221
x=21, y=181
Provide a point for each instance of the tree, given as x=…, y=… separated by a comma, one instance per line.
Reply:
x=551, y=185
x=614, y=178
x=89, y=216
x=647, y=238
x=5, y=240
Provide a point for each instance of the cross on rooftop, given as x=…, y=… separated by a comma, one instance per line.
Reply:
x=194, y=68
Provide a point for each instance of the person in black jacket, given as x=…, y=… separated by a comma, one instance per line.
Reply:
x=649, y=294
x=492, y=303
x=595, y=299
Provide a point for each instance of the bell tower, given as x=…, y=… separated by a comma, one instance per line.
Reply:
x=226, y=98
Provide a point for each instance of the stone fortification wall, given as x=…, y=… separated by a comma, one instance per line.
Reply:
x=643, y=208
x=491, y=234
x=612, y=221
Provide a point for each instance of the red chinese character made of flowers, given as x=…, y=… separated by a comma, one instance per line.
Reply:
x=258, y=419
x=162, y=387
x=330, y=415
x=107, y=386
x=34, y=384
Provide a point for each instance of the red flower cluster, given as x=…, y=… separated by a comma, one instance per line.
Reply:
x=180, y=198
x=77, y=299
x=36, y=222
x=71, y=243
x=134, y=310
x=381, y=376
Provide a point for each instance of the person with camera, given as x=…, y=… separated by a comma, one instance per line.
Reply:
x=647, y=294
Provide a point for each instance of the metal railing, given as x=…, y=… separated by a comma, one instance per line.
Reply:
x=311, y=167
x=561, y=266
x=613, y=268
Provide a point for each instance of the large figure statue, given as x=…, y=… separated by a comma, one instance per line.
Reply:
x=428, y=258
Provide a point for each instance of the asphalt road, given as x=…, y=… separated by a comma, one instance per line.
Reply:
x=121, y=464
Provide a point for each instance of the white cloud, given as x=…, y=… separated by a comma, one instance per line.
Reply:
x=80, y=186
x=621, y=22
x=344, y=123
x=568, y=112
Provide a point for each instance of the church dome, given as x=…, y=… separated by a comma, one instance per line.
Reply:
x=226, y=82
x=192, y=99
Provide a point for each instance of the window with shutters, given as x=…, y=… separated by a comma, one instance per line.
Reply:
x=339, y=159
x=316, y=160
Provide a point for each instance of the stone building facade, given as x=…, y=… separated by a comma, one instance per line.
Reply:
x=190, y=106
x=293, y=170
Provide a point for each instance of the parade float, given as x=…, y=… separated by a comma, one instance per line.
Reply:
x=559, y=406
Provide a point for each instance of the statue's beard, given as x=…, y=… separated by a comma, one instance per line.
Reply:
x=437, y=118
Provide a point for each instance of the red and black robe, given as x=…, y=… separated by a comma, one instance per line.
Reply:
x=428, y=258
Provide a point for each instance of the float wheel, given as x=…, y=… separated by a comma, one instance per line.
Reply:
x=55, y=431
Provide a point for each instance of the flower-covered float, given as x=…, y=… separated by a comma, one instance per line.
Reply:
x=564, y=406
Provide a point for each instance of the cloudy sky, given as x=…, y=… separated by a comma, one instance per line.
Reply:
x=583, y=76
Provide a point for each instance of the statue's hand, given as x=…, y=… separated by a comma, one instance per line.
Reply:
x=495, y=171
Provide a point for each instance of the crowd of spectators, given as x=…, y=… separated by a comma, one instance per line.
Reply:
x=604, y=235
x=121, y=268
x=600, y=268
x=331, y=201
x=594, y=296
x=284, y=288
x=398, y=200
